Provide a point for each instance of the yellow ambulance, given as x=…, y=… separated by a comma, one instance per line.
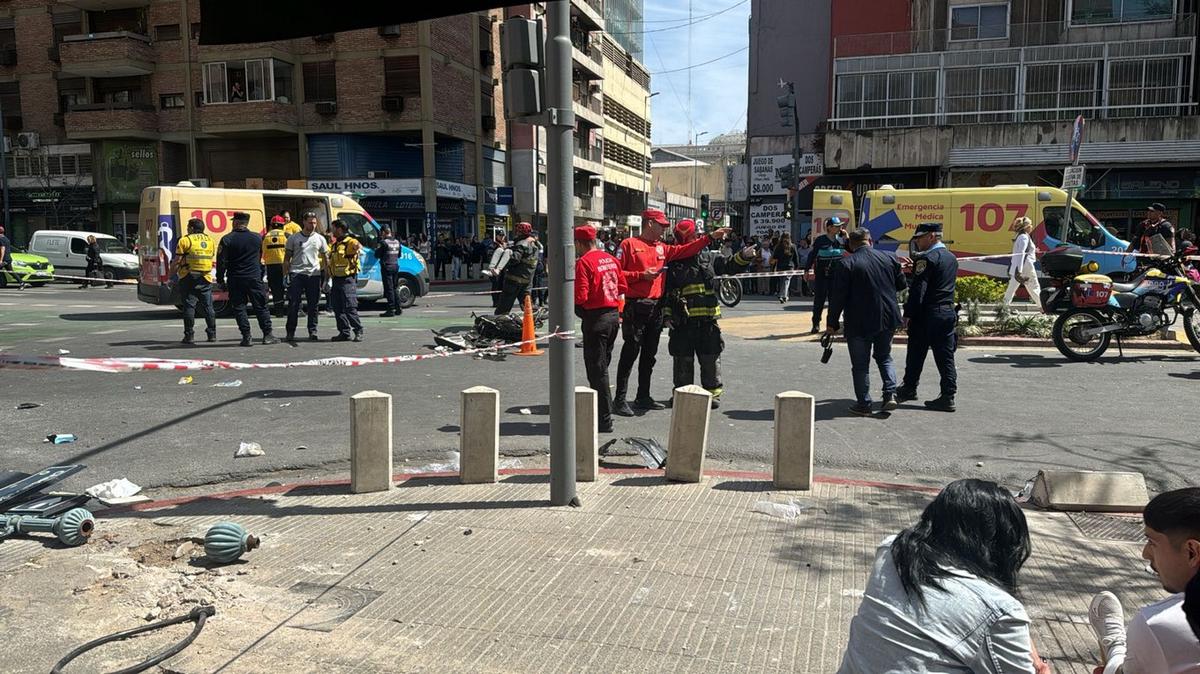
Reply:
x=165, y=211
x=979, y=221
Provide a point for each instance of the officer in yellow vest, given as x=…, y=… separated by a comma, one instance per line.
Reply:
x=273, y=246
x=290, y=227
x=343, y=296
x=194, y=256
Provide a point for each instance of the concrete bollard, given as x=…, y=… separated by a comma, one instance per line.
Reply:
x=587, y=440
x=370, y=442
x=479, y=443
x=689, y=433
x=794, y=423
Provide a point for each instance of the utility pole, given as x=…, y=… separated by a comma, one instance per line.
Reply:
x=646, y=170
x=4, y=170
x=695, y=171
x=560, y=258
x=790, y=116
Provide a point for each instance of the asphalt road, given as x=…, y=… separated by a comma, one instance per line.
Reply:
x=1019, y=410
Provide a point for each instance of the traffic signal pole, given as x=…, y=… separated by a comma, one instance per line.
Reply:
x=560, y=257
x=795, y=196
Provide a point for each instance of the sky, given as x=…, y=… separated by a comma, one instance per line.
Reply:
x=718, y=90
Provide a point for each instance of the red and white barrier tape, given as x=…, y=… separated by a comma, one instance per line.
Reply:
x=97, y=280
x=179, y=365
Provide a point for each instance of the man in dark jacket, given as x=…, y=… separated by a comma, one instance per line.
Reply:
x=388, y=253
x=826, y=250
x=93, y=261
x=239, y=268
x=864, y=287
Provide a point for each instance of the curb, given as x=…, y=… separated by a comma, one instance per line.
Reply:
x=405, y=477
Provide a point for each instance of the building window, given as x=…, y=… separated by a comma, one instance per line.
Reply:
x=402, y=76
x=320, y=81
x=283, y=77
x=979, y=22
x=1118, y=11
x=903, y=98
x=71, y=92
x=170, y=101
x=1141, y=88
x=249, y=81
x=68, y=165
x=970, y=91
x=215, y=90
x=165, y=32
x=1060, y=90
x=195, y=30
x=68, y=22
x=119, y=89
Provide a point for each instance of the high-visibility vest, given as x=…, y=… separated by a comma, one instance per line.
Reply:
x=343, y=257
x=199, y=253
x=291, y=228
x=273, y=246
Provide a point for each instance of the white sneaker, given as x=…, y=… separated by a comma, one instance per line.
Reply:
x=1108, y=621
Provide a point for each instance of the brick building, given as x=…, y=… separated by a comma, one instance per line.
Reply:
x=407, y=116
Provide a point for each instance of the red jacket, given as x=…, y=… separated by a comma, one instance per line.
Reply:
x=637, y=256
x=599, y=283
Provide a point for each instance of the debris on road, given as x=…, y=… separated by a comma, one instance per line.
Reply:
x=651, y=452
x=119, y=488
x=186, y=380
x=302, y=448
x=285, y=404
x=234, y=383
x=61, y=438
x=526, y=411
x=63, y=352
x=225, y=542
x=28, y=406
x=788, y=511
x=248, y=449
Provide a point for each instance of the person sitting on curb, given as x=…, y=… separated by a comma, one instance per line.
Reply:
x=941, y=595
x=1159, y=639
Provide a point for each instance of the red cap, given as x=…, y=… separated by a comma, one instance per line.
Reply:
x=523, y=228
x=585, y=233
x=278, y=220
x=655, y=215
x=684, y=229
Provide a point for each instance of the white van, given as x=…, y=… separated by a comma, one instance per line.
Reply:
x=67, y=251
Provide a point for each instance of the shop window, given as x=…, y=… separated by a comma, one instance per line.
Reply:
x=402, y=76
x=320, y=81
x=979, y=22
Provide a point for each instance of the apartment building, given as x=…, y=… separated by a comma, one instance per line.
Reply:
x=984, y=92
x=610, y=98
x=408, y=117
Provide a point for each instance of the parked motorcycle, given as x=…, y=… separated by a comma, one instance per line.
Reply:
x=1093, y=309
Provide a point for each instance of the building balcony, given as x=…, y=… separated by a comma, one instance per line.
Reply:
x=587, y=59
x=106, y=5
x=255, y=116
x=111, y=120
x=117, y=54
x=589, y=160
x=589, y=207
x=588, y=110
x=589, y=13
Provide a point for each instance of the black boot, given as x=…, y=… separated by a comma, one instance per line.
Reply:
x=942, y=403
x=905, y=394
x=246, y=341
x=648, y=403
x=619, y=406
x=188, y=339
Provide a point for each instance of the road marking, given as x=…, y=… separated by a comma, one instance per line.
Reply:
x=109, y=332
x=408, y=329
x=57, y=339
x=436, y=311
x=24, y=325
x=81, y=306
x=44, y=306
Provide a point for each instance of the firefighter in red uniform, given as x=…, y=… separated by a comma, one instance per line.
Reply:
x=598, y=289
x=642, y=260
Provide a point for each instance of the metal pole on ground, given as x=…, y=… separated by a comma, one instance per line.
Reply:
x=560, y=258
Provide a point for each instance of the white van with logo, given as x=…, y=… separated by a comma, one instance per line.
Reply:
x=67, y=251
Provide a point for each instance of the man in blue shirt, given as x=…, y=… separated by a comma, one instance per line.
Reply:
x=930, y=317
x=826, y=250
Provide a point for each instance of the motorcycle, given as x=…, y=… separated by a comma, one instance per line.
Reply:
x=729, y=291
x=1093, y=309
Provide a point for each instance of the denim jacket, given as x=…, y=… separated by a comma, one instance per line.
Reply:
x=974, y=626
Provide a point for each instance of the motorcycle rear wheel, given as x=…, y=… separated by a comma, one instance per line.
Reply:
x=1191, y=327
x=729, y=292
x=1071, y=344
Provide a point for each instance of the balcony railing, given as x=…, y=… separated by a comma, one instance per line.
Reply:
x=112, y=54
x=1018, y=35
x=589, y=153
x=587, y=204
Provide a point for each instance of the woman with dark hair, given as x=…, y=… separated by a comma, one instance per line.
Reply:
x=942, y=594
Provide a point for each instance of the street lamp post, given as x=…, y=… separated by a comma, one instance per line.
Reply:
x=695, y=172
x=646, y=170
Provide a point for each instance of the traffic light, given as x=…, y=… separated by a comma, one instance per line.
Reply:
x=787, y=176
x=787, y=208
x=786, y=102
x=704, y=206
x=523, y=61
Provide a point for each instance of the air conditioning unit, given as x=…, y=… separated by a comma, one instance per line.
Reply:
x=487, y=58
x=379, y=175
x=27, y=140
x=392, y=103
x=390, y=31
x=8, y=57
x=488, y=122
x=327, y=108
x=323, y=37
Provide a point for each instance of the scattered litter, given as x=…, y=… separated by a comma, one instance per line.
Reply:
x=113, y=489
x=228, y=384
x=61, y=438
x=248, y=449
x=979, y=464
x=467, y=532
x=526, y=411
x=184, y=550
x=788, y=511
x=651, y=452
x=509, y=464
x=186, y=380
x=302, y=448
x=28, y=406
x=63, y=352
x=1026, y=492
x=137, y=388
x=285, y=404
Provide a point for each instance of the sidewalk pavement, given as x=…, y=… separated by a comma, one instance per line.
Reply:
x=435, y=576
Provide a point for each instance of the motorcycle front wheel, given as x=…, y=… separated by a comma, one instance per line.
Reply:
x=729, y=292
x=1070, y=340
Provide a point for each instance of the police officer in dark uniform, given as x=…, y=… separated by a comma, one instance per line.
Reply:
x=239, y=268
x=388, y=254
x=691, y=309
x=930, y=317
x=826, y=250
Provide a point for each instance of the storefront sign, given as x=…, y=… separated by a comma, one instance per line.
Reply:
x=767, y=215
x=399, y=187
x=393, y=203
x=126, y=168
x=450, y=190
x=736, y=184
x=764, y=171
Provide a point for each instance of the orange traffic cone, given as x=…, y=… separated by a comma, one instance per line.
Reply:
x=528, y=346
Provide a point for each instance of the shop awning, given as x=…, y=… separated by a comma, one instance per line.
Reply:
x=1144, y=152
